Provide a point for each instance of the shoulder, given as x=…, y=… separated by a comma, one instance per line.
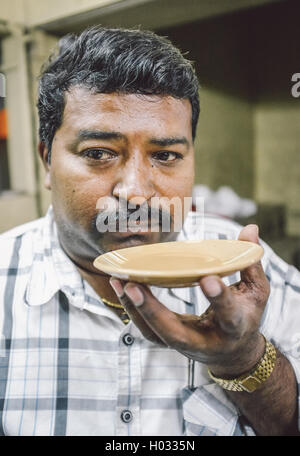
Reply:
x=208, y=226
x=221, y=227
x=19, y=240
x=26, y=228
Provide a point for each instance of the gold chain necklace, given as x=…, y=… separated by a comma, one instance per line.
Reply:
x=124, y=316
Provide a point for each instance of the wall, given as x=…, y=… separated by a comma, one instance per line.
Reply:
x=224, y=144
x=16, y=209
x=249, y=129
x=12, y=10
x=278, y=157
x=277, y=113
x=40, y=11
x=225, y=135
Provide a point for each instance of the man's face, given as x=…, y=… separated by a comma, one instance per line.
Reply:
x=120, y=146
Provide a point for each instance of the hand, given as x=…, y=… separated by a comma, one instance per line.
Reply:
x=226, y=336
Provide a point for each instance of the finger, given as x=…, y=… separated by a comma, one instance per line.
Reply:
x=229, y=314
x=135, y=316
x=254, y=275
x=165, y=324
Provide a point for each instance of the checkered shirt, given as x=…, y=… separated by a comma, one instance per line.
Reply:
x=69, y=366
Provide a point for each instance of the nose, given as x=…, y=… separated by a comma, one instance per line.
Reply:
x=135, y=182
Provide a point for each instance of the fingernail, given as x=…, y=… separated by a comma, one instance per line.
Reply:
x=255, y=227
x=212, y=287
x=135, y=295
x=117, y=287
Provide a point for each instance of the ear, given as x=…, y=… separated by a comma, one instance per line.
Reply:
x=44, y=154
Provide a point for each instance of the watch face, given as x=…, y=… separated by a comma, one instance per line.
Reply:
x=250, y=384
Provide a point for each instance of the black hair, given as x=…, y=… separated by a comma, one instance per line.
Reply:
x=113, y=60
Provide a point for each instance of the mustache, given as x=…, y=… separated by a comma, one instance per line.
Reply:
x=144, y=214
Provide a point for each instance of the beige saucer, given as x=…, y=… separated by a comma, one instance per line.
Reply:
x=179, y=264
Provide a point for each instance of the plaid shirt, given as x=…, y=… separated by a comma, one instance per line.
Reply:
x=69, y=366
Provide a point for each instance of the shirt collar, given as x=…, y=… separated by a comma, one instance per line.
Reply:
x=50, y=267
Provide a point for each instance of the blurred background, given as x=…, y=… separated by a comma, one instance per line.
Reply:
x=248, y=140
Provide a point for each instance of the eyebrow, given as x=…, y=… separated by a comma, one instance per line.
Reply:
x=165, y=142
x=85, y=135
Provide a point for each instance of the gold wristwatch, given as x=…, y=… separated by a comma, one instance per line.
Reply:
x=251, y=380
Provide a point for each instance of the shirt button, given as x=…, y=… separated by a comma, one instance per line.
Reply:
x=126, y=416
x=128, y=339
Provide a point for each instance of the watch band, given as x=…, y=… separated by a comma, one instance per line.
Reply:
x=251, y=380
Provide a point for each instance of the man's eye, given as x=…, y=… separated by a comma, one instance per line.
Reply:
x=166, y=156
x=98, y=154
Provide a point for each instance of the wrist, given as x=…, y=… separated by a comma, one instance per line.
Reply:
x=253, y=379
x=241, y=360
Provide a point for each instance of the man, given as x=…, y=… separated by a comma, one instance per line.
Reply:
x=118, y=112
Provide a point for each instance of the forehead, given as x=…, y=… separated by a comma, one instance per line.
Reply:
x=85, y=109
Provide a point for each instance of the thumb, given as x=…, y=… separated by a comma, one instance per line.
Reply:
x=250, y=233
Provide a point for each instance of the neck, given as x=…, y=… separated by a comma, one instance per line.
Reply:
x=100, y=283
x=98, y=280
